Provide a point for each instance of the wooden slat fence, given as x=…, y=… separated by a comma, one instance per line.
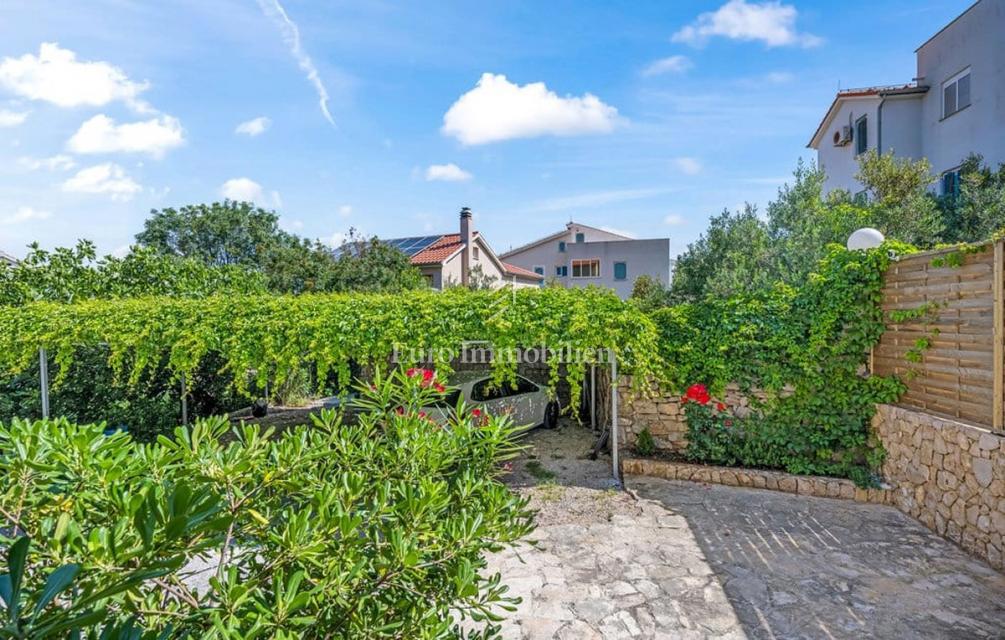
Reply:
x=960, y=373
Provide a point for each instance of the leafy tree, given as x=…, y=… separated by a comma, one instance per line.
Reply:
x=900, y=203
x=802, y=223
x=648, y=293
x=219, y=233
x=733, y=255
x=741, y=253
x=978, y=211
x=367, y=264
x=238, y=233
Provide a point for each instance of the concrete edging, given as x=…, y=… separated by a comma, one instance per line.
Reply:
x=819, y=486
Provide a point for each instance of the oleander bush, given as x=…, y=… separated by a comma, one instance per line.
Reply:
x=375, y=529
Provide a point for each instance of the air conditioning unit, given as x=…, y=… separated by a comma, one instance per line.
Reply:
x=843, y=137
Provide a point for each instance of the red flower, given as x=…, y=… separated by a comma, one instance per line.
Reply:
x=476, y=413
x=728, y=423
x=439, y=388
x=411, y=373
x=400, y=411
x=720, y=407
x=698, y=393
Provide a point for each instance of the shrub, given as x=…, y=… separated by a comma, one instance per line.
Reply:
x=373, y=529
x=644, y=443
x=806, y=348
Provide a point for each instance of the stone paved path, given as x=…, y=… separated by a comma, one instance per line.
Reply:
x=686, y=560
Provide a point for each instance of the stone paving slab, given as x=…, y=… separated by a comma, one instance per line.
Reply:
x=687, y=560
x=806, y=567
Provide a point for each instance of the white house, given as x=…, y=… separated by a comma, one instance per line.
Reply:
x=954, y=106
x=581, y=255
x=6, y=258
x=454, y=259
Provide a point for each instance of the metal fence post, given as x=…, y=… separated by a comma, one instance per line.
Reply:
x=43, y=376
x=614, y=415
x=593, y=396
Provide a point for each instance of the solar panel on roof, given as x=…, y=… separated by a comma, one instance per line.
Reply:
x=413, y=245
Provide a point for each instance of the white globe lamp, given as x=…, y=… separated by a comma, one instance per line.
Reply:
x=867, y=238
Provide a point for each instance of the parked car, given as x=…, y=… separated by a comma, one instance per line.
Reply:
x=527, y=404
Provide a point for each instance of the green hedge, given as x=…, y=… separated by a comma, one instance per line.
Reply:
x=813, y=343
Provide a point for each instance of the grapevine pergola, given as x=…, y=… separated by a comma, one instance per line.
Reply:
x=277, y=335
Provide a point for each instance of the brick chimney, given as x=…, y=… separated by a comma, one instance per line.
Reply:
x=467, y=237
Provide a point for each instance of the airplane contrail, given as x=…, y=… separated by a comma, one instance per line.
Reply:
x=291, y=35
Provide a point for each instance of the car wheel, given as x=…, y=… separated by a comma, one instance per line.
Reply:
x=551, y=415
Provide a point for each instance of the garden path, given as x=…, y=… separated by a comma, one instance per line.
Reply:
x=686, y=560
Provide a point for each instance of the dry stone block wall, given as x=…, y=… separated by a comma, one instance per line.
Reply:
x=663, y=415
x=949, y=475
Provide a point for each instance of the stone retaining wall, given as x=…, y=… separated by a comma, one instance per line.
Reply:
x=663, y=415
x=948, y=475
x=819, y=486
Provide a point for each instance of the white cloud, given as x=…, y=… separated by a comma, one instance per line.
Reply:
x=12, y=118
x=779, y=77
x=291, y=35
x=687, y=166
x=56, y=76
x=253, y=127
x=496, y=109
x=345, y=211
x=596, y=199
x=57, y=162
x=24, y=214
x=446, y=173
x=242, y=190
x=100, y=134
x=771, y=22
x=674, y=219
x=107, y=178
x=291, y=225
x=673, y=64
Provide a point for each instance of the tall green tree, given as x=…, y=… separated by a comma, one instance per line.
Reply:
x=238, y=233
x=901, y=203
x=802, y=223
x=733, y=255
x=978, y=210
x=219, y=233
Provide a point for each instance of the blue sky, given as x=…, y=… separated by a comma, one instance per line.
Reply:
x=652, y=115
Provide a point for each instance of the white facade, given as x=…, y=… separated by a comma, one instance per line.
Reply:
x=954, y=107
x=581, y=255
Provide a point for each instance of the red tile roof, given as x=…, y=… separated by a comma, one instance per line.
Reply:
x=448, y=245
x=439, y=251
x=513, y=270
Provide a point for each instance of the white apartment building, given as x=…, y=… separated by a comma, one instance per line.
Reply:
x=954, y=106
